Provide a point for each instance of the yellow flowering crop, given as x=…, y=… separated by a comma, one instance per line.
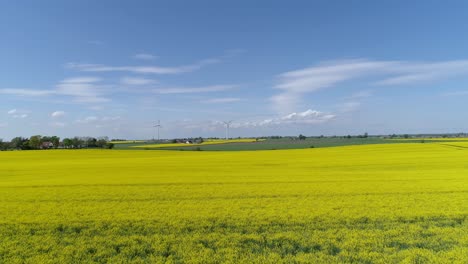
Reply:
x=358, y=204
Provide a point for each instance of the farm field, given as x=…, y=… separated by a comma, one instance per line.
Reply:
x=128, y=142
x=206, y=142
x=261, y=144
x=285, y=143
x=380, y=203
x=276, y=144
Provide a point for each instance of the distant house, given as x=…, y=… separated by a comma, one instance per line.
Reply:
x=188, y=142
x=47, y=145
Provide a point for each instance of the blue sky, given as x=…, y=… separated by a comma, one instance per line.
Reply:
x=113, y=68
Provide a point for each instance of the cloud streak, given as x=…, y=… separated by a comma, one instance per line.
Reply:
x=222, y=100
x=136, y=81
x=15, y=113
x=203, y=89
x=26, y=92
x=144, y=56
x=308, y=117
x=142, y=69
x=98, y=121
x=294, y=85
x=81, y=89
x=57, y=114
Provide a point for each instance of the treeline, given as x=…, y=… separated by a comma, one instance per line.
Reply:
x=197, y=140
x=54, y=142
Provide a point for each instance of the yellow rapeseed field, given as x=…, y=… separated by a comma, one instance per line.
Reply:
x=363, y=204
x=430, y=139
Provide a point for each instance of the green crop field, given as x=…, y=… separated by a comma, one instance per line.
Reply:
x=205, y=143
x=380, y=203
x=276, y=144
x=285, y=143
x=261, y=144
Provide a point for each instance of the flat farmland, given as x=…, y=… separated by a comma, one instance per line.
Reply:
x=381, y=203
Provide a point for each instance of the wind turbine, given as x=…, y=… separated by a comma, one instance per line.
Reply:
x=227, y=123
x=157, y=127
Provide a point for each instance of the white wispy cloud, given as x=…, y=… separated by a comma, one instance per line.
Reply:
x=353, y=102
x=144, y=56
x=83, y=89
x=82, y=79
x=361, y=94
x=136, y=81
x=87, y=119
x=110, y=118
x=20, y=116
x=203, y=89
x=91, y=100
x=15, y=113
x=349, y=106
x=142, y=69
x=57, y=114
x=95, y=119
x=286, y=102
x=221, y=100
x=96, y=107
x=307, y=117
x=58, y=124
x=294, y=85
x=328, y=74
x=25, y=92
x=413, y=72
x=145, y=69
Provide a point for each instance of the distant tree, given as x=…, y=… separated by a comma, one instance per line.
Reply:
x=3, y=145
x=101, y=143
x=348, y=136
x=91, y=142
x=67, y=143
x=365, y=135
x=55, y=140
x=17, y=142
x=406, y=136
x=109, y=145
x=77, y=142
x=35, y=142
x=302, y=137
